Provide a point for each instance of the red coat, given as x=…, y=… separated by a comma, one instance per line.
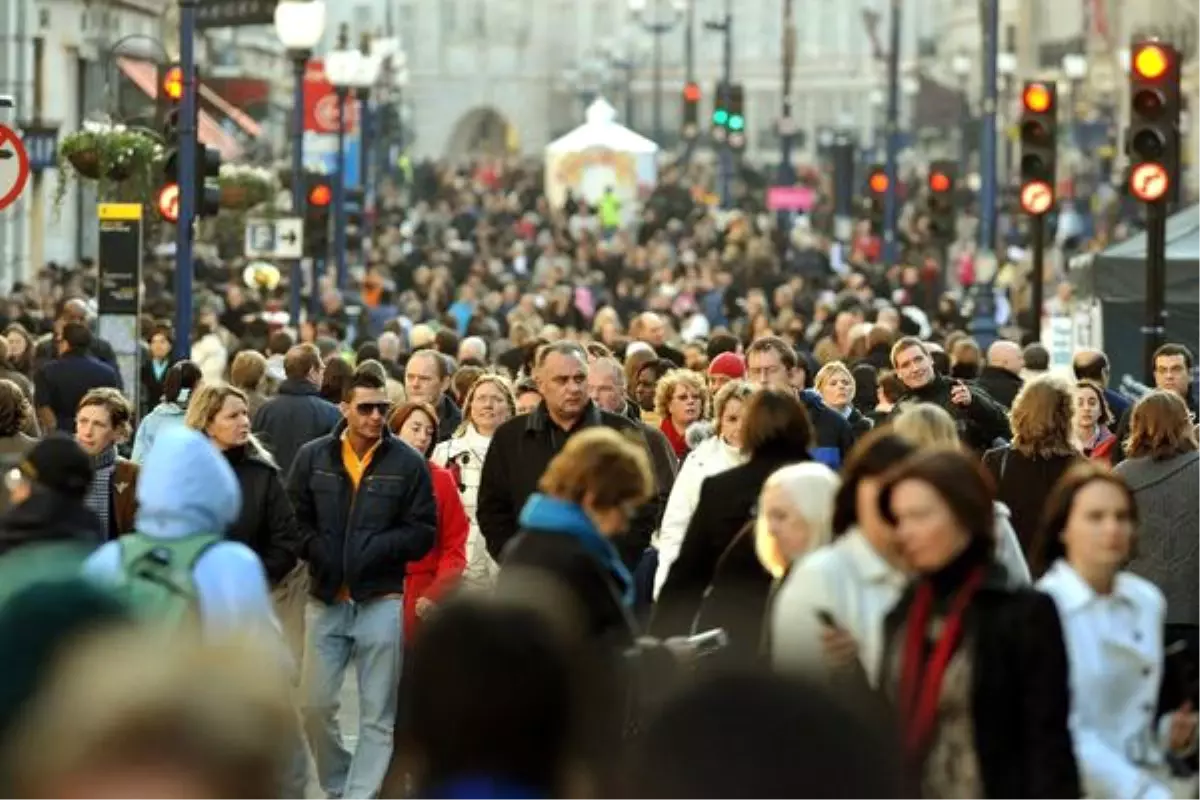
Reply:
x=440, y=569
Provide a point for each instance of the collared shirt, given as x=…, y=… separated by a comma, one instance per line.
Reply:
x=356, y=467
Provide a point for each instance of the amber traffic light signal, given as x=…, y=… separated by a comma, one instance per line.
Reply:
x=1153, y=137
x=1039, y=143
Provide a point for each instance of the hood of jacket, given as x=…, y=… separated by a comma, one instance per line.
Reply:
x=546, y=514
x=699, y=432
x=186, y=487
x=49, y=516
x=166, y=409
x=713, y=449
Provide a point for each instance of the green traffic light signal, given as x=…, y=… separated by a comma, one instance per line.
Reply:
x=720, y=116
x=736, y=122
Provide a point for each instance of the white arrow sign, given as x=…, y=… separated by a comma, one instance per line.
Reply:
x=281, y=238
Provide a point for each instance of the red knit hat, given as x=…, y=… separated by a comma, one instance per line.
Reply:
x=731, y=365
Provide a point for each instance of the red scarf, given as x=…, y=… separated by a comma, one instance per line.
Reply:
x=921, y=678
x=678, y=441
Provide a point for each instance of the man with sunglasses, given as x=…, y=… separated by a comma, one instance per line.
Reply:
x=364, y=502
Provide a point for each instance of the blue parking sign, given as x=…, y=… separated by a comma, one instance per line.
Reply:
x=41, y=143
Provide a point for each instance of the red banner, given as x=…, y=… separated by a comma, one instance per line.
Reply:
x=320, y=102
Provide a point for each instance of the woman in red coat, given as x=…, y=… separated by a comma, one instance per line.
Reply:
x=427, y=580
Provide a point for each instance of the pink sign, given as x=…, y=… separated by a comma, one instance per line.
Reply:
x=790, y=198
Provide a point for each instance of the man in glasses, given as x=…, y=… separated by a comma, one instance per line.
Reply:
x=364, y=502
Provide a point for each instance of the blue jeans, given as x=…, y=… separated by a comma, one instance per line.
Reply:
x=372, y=634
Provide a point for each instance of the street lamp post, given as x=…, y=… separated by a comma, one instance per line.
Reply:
x=1006, y=66
x=1074, y=67
x=891, y=203
x=299, y=25
x=961, y=65
x=342, y=67
x=658, y=28
x=184, y=265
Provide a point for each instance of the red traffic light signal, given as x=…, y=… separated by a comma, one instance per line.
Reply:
x=320, y=195
x=172, y=84
x=1037, y=98
x=167, y=202
x=939, y=182
x=691, y=93
x=1150, y=61
x=878, y=182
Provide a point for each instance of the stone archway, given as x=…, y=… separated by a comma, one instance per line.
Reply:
x=480, y=132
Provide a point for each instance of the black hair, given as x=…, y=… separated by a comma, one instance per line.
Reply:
x=77, y=336
x=182, y=375
x=872, y=456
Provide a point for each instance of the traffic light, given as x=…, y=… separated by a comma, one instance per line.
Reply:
x=720, y=115
x=208, y=193
x=877, y=186
x=691, y=110
x=1039, y=146
x=207, y=160
x=940, y=200
x=737, y=117
x=319, y=201
x=1153, y=138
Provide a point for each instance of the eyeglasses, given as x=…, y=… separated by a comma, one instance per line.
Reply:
x=366, y=409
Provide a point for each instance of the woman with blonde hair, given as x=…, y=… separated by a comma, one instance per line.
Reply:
x=1043, y=448
x=927, y=427
x=1162, y=468
x=266, y=523
x=488, y=404
x=680, y=399
x=588, y=494
x=836, y=385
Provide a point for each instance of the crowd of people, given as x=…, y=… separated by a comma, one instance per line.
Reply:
x=674, y=510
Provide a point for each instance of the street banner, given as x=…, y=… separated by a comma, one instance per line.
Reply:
x=320, y=103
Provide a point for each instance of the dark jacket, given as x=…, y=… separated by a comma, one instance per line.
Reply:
x=449, y=417
x=559, y=539
x=835, y=437
x=979, y=425
x=520, y=451
x=49, y=516
x=61, y=383
x=292, y=418
x=46, y=350
x=1020, y=691
x=124, y=497
x=740, y=585
x=860, y=423
x=152, y=386
x=1000, y=384
x=361, y=540
x=662, y=461
x=266, y=524
x=1024, y=484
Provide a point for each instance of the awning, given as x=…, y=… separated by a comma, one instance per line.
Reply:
x=240, y=118
x=210, y=133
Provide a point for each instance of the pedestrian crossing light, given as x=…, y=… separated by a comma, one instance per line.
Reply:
x=172, y=83
x=737, y=116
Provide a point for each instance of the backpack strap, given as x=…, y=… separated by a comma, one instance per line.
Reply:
x=170, y=561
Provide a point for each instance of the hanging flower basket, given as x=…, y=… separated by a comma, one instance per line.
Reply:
x=110, y=155
x=243, y=186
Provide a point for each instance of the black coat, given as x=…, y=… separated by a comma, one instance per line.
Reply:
x=979, y=425
x=362, y=539
x=520, y=451
x=1024, y=487
x=292, y=418
x=1000, y=384
x=740, y=585
x=449, y=418
x=266, y=524
x=1020, y=692
x=49, y=516
x=152, y=387
x=860, y=423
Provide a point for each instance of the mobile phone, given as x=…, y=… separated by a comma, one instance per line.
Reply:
x=826, y=618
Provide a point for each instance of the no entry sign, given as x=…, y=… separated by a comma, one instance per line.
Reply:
x=14, y=166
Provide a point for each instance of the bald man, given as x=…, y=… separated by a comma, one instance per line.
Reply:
x=76, y=310
x=652, y=329
x=1001, y=378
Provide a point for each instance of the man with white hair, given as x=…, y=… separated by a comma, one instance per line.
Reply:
x=1001, y=378
x=389, y=354
x=472, y=348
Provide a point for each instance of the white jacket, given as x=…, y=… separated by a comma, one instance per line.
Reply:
x=211, y=356
x=465, y=454
x=851, y=581
x=708, y=458
x=1115, y=650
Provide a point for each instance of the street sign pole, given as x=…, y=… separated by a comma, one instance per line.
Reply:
x=891, y=200
x=1154, y=329
x=184, y=268
x=296, y=282
x=118, y=296
x=1039, y=272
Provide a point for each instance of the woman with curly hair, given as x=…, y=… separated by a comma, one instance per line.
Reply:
x=1043, y=448
x=680, y=399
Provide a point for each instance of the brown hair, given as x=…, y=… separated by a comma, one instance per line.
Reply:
x=1106, y=416
x=601, y=464
x=776, y=423
x=776, y=345
x=301, y=360
x=1047, y=545
x=1042, y=419
x=872, y=456
x=893, y=388
x=120, y=412
x=15, y=411
x=879, y=336
x=904, y=343
x=463, y=380
x=961, y=483
x=401, y=414
x=1160, y=427
x=248, y=370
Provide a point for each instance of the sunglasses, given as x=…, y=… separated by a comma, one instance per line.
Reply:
x=366, y=409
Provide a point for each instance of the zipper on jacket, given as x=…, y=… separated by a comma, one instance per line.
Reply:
x=362, y=487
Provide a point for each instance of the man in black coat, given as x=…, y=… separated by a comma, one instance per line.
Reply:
x=297, y=414
x=75, y=310
x=981, y=420
x=61, y=383
x=1001, y=378
x=522, y=448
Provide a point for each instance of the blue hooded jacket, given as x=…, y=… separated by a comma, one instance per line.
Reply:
x=546, y=514
x=186, y=487
x=834, y=436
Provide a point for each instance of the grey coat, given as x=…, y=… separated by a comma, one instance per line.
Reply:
x=1168, y=547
